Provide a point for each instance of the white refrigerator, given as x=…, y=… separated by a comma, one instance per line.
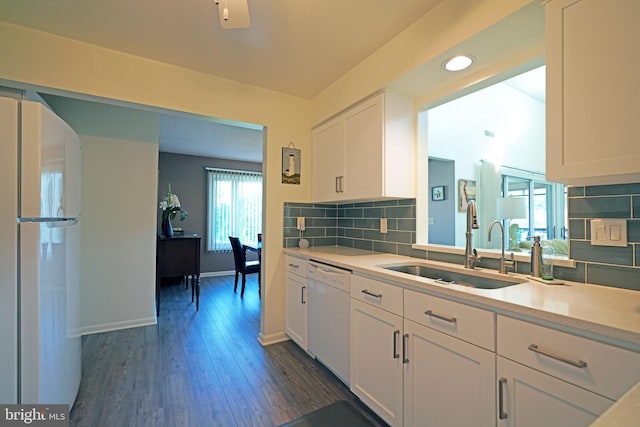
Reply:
x=40, y=356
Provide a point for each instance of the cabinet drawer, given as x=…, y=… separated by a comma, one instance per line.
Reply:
x=379, y=294
x=604, y=369
x=470, y=324
x=295, y=265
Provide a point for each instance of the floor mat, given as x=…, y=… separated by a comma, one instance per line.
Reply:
x=340, y=413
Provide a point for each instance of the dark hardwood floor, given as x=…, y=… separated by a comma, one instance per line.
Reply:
x=201, y=369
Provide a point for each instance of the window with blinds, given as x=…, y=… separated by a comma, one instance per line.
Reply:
x=234, y=207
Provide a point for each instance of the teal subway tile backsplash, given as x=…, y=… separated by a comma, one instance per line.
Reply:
x=604, y=265
x=612, y=190
x=584, y=251
x=357, y=225
x=600, y=207
x=608, y=275
x=575, y=191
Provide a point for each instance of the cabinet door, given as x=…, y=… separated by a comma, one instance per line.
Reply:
x=593, y=99
x=527, y=397
x=297, y=310
x=376, y=360
x=447, y=382
x=363, y=129
x=327, y=174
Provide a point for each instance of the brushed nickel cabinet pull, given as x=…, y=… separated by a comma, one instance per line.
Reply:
x=405, y=342
x=577, y=364
x=371, y=294
x=396, y=334
x=501, y=383
x=441, y=317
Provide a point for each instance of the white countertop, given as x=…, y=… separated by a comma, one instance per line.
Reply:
x=609, y=314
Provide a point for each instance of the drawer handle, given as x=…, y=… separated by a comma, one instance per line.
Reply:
x=396, y=334
x=371, y=294
x=441, y=317
x=294, y=266
x=502, y=414
x=578, y=364
x=405, y=341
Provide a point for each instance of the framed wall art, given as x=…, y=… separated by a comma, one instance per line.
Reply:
x=291, y=165
x=466, y=192
x=437, y=193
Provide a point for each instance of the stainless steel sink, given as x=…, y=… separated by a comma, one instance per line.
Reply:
x=454, y=277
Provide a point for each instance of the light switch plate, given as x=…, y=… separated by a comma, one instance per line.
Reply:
x=383, y=225
x=609, y=232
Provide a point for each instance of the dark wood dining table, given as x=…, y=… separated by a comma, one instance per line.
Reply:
x=254, y=247
x=257, y=248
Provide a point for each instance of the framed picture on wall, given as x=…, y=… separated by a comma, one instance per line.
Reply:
x=466, y=193
x=290, y=165
x=437, y=193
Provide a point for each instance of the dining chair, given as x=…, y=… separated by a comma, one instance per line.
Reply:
x=243, y=266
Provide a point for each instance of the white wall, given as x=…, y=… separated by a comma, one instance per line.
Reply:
x=119, y=198
x=119, y=208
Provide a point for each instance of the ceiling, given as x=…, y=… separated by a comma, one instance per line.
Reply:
x=298, y=47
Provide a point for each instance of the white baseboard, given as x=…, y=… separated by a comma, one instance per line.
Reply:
x=266, y=340
x=218, y=273
x=115, y=326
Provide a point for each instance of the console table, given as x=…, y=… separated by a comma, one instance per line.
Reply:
x=178, y=256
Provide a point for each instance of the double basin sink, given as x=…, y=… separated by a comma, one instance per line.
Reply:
x=448, y=277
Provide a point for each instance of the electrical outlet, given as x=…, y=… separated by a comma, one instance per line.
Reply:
x=300, y=224
x=383, y=225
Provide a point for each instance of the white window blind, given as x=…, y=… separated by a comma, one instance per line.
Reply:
x=234, y=207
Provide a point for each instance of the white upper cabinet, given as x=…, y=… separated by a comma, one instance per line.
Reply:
x=366, y=153
x=593, y=96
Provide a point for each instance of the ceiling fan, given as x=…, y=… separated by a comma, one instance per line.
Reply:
x=233, y=13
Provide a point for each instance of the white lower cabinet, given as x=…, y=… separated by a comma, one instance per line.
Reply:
x=376, y=360
x=527, y=397
x=447, y=382
x=554, y=378
x=412, y=374
x=296, y=283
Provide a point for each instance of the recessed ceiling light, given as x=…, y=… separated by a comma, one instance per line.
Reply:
x=457, y=63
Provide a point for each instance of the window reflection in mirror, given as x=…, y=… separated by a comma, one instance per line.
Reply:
x=494, y=141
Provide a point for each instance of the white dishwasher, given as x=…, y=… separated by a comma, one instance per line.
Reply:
x=329, y=316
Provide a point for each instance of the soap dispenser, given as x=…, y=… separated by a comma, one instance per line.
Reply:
x=536, y=257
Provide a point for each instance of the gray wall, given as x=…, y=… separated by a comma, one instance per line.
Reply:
x=188, y=179
x=443, y=228
x=355, y=225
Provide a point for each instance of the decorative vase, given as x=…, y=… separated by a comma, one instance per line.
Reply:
x=167, y=229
